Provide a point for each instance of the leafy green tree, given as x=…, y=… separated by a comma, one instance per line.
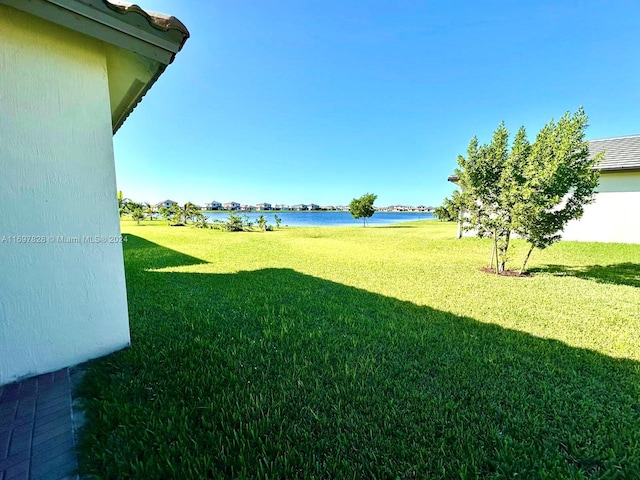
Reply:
x=182, y=215
x=167, y=212
x=136, y=211
x=363, y=207
x=262, y=223
x=234, y=223
x=201, y=222
x=480, y=176
x=532, y=190
x=278, y=220
x=558, y=180
x=189, y=212
x=148, y=210
x=450, y=209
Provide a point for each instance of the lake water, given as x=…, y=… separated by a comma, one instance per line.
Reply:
x=326, y=219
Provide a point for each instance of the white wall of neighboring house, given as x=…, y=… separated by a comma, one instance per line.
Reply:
x=60, y=303
x=615, y=214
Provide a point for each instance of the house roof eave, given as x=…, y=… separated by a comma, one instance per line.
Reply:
x=152, y=36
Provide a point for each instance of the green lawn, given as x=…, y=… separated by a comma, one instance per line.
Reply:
x=367, y=353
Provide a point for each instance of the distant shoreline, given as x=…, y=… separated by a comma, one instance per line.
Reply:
x=320, y=218
x=308, y=211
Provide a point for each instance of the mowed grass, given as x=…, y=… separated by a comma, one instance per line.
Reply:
x=367, y=353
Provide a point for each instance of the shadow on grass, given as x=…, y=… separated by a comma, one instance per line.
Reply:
x=617, y=274
x=139, y=251
x=273, y=373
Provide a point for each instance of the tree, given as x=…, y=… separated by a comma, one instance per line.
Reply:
x=189, y=213
x=558, y=180
x=480, y=176
x=450, y=209
x=136, y=211
x=181, y=215
x=262, y=223
x=363, y=207
x=167, y=212
x=148, y=210
x=532, y=190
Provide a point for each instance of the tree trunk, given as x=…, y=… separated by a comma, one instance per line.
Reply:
x=495, y=249
x=503, y=260
x=491, y=259
x=526, y=259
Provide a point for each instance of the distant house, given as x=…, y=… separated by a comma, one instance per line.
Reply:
x=231, y=206
x=400, y=208
x=166, y=204
x=613, y=216
x=247, y=208
x=328, y=208
x=213, y=206
x=263, y=206
x=313, y=206
x=71, y=73
x=299, y=207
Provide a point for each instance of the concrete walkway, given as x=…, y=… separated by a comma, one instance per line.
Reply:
x=37, y=439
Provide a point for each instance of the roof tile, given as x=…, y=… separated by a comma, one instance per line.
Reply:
x=620, y=153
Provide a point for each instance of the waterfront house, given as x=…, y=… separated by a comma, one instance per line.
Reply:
x=72, y=72
x=231, y=206
x=166, y=204
x=612, y=217
x=213, y=206
x=263, y=206
x=299, y=207
x=313, y=206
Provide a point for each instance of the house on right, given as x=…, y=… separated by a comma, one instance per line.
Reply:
x=614, y=216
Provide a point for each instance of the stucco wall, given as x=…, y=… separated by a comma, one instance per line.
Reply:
x=60, y=303
x=613, y=217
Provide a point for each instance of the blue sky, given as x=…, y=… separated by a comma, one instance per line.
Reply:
x=292, y=101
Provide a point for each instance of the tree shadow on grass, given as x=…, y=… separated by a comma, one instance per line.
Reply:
x=273, y=373
x=617, y=274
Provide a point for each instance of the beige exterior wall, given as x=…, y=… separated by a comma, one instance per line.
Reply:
x=62, y=285
x=615, y=214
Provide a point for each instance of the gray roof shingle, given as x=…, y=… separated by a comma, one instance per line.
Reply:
x=620, y=153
